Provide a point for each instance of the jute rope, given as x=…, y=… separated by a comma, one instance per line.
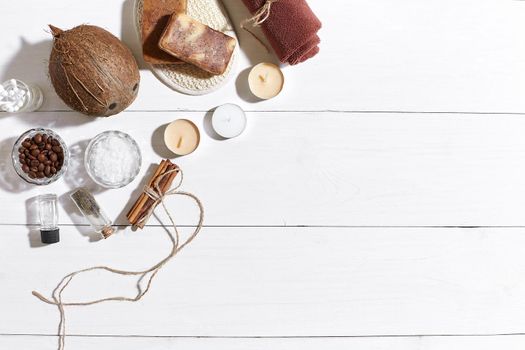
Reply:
x=260, y=16
x=177, y=246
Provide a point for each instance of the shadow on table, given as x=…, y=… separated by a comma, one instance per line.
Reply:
x=30, y=64
x=208, y=127
x=255, y=52
x=158, y=144
x=33, y=234
x=80, y=222
x=122, y=217
x=9, y=179
x=129, y=33
x=75, y=177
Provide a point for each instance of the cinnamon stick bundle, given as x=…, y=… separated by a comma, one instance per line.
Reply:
x=144, y=203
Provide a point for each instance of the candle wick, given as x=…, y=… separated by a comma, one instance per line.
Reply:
x=263, y=78
x=179, y=143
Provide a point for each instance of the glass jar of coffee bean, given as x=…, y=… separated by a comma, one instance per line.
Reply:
x=40, y=156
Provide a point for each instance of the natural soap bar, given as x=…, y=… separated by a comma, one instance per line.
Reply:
x=155, y=17
x=196, y=43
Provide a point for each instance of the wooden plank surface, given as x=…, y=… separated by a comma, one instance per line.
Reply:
x=449, y=55
x=331, y=169
x=349, y=273
x=275, y=282
x=385, y=343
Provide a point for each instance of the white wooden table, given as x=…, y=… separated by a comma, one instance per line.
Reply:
x=377, y=203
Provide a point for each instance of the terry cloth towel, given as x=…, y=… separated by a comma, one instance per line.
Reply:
x=291, y=29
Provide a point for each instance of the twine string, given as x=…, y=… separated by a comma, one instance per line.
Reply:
x=158, y=197
x=260, y=16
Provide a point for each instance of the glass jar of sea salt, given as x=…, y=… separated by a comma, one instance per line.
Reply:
x=17, y=96
x=113, y=159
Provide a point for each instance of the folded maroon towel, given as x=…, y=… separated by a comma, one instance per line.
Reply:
x=291, y=29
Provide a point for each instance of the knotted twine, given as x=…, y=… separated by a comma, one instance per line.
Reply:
x=177, y=246
x=260, y=16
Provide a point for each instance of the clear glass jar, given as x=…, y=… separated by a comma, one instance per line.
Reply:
x=17, y=96
x=113, y=159
x=17, y=164
x=48, y=216
x=89, y=207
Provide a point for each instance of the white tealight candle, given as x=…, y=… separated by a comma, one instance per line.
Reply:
x=182, y=137
x=228, y=120
x=266, y=80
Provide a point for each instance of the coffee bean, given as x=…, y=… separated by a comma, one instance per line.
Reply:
x=41, y=156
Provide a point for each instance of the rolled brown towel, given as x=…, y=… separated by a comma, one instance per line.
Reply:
x=291, y=29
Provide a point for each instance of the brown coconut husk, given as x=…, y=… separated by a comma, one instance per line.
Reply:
x=92, y=71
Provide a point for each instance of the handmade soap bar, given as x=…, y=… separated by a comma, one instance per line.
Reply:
x=198, y=44
x=155, y=17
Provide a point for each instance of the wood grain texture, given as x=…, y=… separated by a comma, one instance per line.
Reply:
x=388, y=343
x=332, y=169
x=276, y=282
x=306, y=160
x=450, y=55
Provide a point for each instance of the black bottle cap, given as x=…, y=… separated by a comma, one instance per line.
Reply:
x=50, y=236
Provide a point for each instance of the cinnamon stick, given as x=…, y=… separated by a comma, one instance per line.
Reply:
x=137, y=208
x=164, y=186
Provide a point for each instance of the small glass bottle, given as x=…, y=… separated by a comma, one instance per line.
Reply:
x=48, y=214
x=91, y=210
x=17, y=96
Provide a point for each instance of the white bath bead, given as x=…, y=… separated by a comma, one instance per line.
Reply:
x=11, y=93
x=3, y=94
x=13, y=82
x=19, y=104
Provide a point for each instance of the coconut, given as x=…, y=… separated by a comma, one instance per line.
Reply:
x=92, y=71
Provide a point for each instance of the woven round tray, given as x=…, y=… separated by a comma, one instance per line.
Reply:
x=187, y=78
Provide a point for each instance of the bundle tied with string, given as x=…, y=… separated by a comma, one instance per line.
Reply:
x=159, y=197
x=289, y=25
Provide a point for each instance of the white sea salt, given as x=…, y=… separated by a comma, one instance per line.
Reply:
x=114, y=159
